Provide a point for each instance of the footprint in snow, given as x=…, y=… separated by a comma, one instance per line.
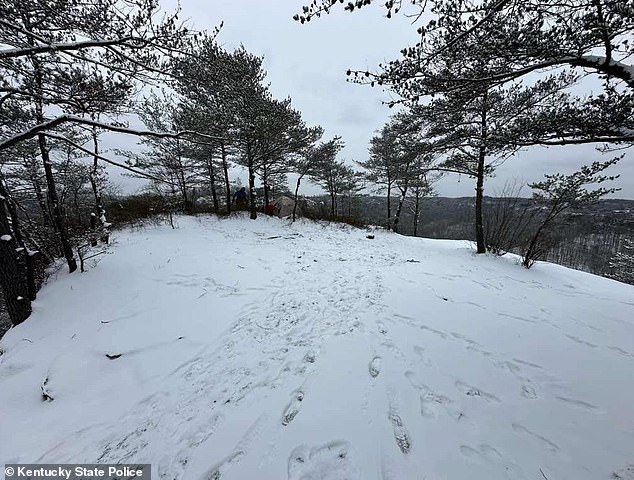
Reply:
x=464, y=338
x=430, y=401
x=375, y=367
x=173, y=468
x=381, y=328
x=528, y=364
x=400, y=433
x=198, y=433
x=293, y=408
x=487, y=454
x=509, y=366
x=482, y=452
x=479, y=350
x=219, y=470
x=528, y=392
x=420, y=351
x=439, y=333
x=331, y=461
x=581, y=341
x=472, y=391
x=521, y=429
x=415, y=382
x=579, y=403
x=407, y=318
x=622, y=352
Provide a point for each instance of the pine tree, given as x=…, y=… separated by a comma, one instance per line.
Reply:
x=66, y=63
x=559, y=193
x=380, y=168
x=524, y=37
x=331, y=174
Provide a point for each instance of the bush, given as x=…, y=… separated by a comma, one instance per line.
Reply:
x=508, y=221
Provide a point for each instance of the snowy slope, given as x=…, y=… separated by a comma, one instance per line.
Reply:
x=273, y=351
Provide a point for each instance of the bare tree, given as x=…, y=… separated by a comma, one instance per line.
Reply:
x=509, y=220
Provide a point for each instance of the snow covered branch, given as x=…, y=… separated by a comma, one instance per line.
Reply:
x=579, y=141
x=600, y=64
x=106, y=160
x=51, y=124
x=63, y=47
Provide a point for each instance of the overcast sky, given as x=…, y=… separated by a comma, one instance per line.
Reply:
x=308, y=63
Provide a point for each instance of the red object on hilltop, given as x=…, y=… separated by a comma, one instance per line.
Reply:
x=269, y=209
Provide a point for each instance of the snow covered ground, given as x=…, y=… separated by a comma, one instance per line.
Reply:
x=263, y=350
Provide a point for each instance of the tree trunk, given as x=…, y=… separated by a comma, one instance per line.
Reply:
x=333, y=197
x=225, y=169
x=212, y=184
x=93, y=175
x=54, y=201
x=299, y=181
x=529, y=256
x=33, y=177
x=29, y=267
x=253, y=214
x=397, y=217
x=416, y=210
x=95, y=217
x=389, y=206
x=266, y=190
x=180, y=174
x=530, y=251
x=12, y=274
x=481, y=245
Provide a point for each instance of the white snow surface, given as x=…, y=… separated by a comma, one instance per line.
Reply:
x=263, y=349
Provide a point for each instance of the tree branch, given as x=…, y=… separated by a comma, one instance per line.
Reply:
x=63, y=47
x=616, y=69
x=579, y=141
x=496, y=8
x=106, y=160
x=49, y=125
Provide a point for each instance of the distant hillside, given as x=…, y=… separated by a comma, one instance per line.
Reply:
x=587, y=240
